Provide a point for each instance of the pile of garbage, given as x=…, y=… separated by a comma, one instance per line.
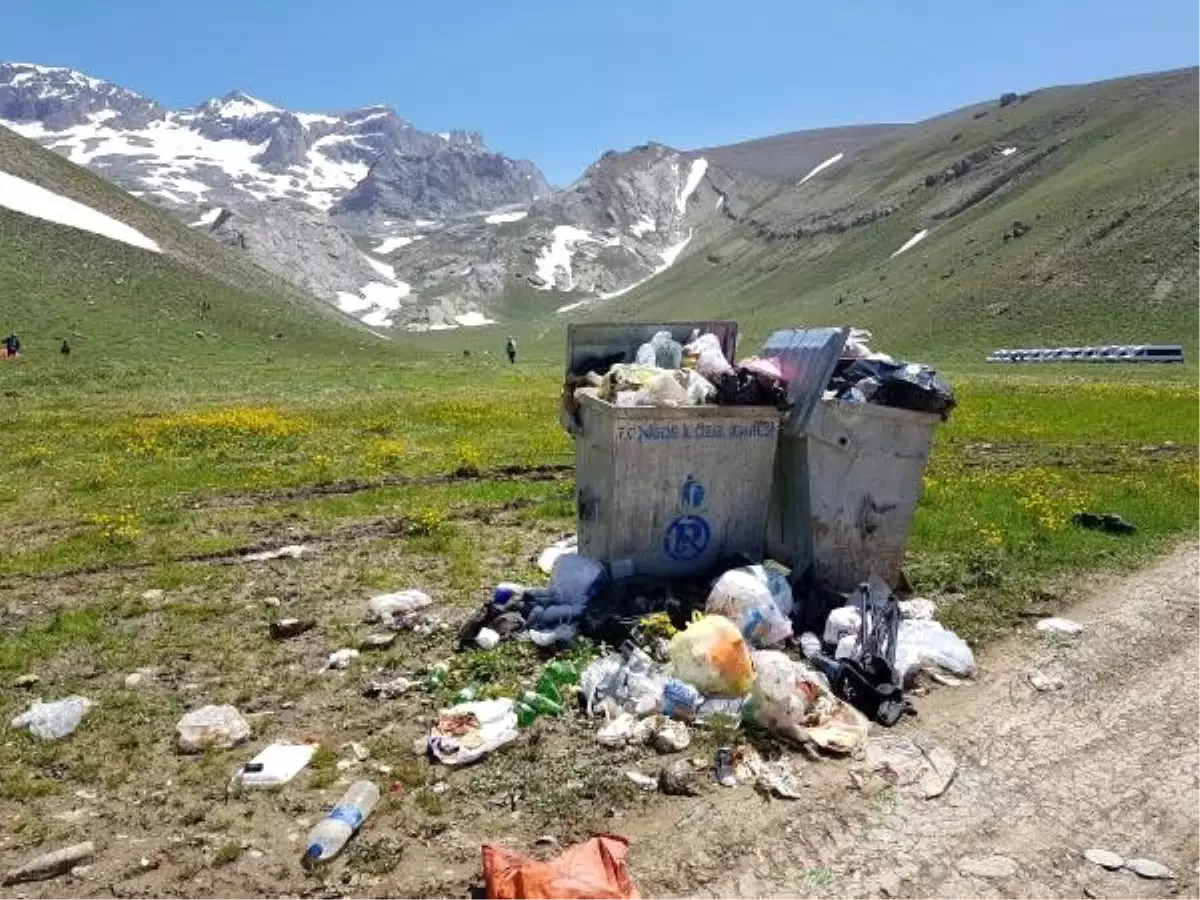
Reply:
x=667, y=373
x=733, y=657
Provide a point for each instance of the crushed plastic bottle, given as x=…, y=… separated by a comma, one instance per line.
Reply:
x=437, y=674
x=556, y=676
x=330, y=835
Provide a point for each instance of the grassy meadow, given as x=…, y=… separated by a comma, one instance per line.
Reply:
x=129, y=494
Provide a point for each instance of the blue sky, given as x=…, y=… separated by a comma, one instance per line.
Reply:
x=560, y=82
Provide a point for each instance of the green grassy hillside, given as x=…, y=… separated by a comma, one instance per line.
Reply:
x=1105, y=179
x=119, y=305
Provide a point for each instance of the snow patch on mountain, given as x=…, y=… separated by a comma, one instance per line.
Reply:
x=167, y=153
x=501, y=218
x=207, y=218
x=473, y=320
x=389, y=245
x=243, y=106
x=555, y=259
x=643, y=226
x=911, y=242
x=29, y=199
x=695, y=173
x=820, y=167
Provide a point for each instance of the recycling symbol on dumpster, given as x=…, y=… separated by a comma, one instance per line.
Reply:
x=688, y=535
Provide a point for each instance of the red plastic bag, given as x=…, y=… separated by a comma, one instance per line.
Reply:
x=594, y=869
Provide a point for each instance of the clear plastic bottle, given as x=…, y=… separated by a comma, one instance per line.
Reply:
x=329, y=836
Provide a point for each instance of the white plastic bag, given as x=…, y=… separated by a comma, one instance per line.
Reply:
x=742, y=596
x=51, y=721
x=710, y=359
x=467, y=732
x=699, y=389
x=925, y=644
x=575, y=579
x=842, y=621
x=663, y=390
x=794, y=702
x=387, y=607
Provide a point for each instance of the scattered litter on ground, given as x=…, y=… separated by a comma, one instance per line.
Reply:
x=274, y=766
x=1106, y=859
x=273, y=602
x=330, y=835
x=723, y=769
x=51, y=865
x=1109, y=523
x=595, y=868
x=617, y=732
x=1056, y=625
x=712, y=655
x=924, y=644
x=917, y=608
x=282, y=629
x=487, y=638
x=210, y=728
x=153, y=595
x=54, y=720
x=777, y=778
x=341, y=659
x=291, y=551
x=795, y=703
x=922, y=770
x=744, y=596
x=388, y=690
x=1043, y=682
x=26, y=680
x=643, y=782
x=551, y=554
x=399, y=610
x=466, y=733
x=1148, y=868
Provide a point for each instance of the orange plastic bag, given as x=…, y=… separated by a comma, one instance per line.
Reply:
x=711, y=655
x=596, y=868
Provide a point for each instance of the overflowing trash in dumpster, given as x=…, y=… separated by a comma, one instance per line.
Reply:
x=665, y=372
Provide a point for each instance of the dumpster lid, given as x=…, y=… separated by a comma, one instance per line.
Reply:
x=807, y=358
x=602, y=345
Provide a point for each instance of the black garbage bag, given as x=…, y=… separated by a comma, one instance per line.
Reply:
x=899, y=384
x=745, y=388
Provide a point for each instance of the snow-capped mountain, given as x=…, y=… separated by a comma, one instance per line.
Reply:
x=394, y=225
x=237, y=148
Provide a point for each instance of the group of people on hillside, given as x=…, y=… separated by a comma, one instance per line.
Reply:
x=11, y=347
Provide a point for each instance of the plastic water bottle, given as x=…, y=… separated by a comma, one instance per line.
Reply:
x=329, y=836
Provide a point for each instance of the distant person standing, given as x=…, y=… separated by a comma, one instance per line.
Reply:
x=12, y=345
x=65, y=349
x=511, y=349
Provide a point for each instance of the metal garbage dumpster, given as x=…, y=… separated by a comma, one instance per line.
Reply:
x=846, y=489
x=667, y=491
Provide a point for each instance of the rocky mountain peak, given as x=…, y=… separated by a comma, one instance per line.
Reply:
x=59, y=98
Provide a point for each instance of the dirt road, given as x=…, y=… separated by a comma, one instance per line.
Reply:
x=1108, y=761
